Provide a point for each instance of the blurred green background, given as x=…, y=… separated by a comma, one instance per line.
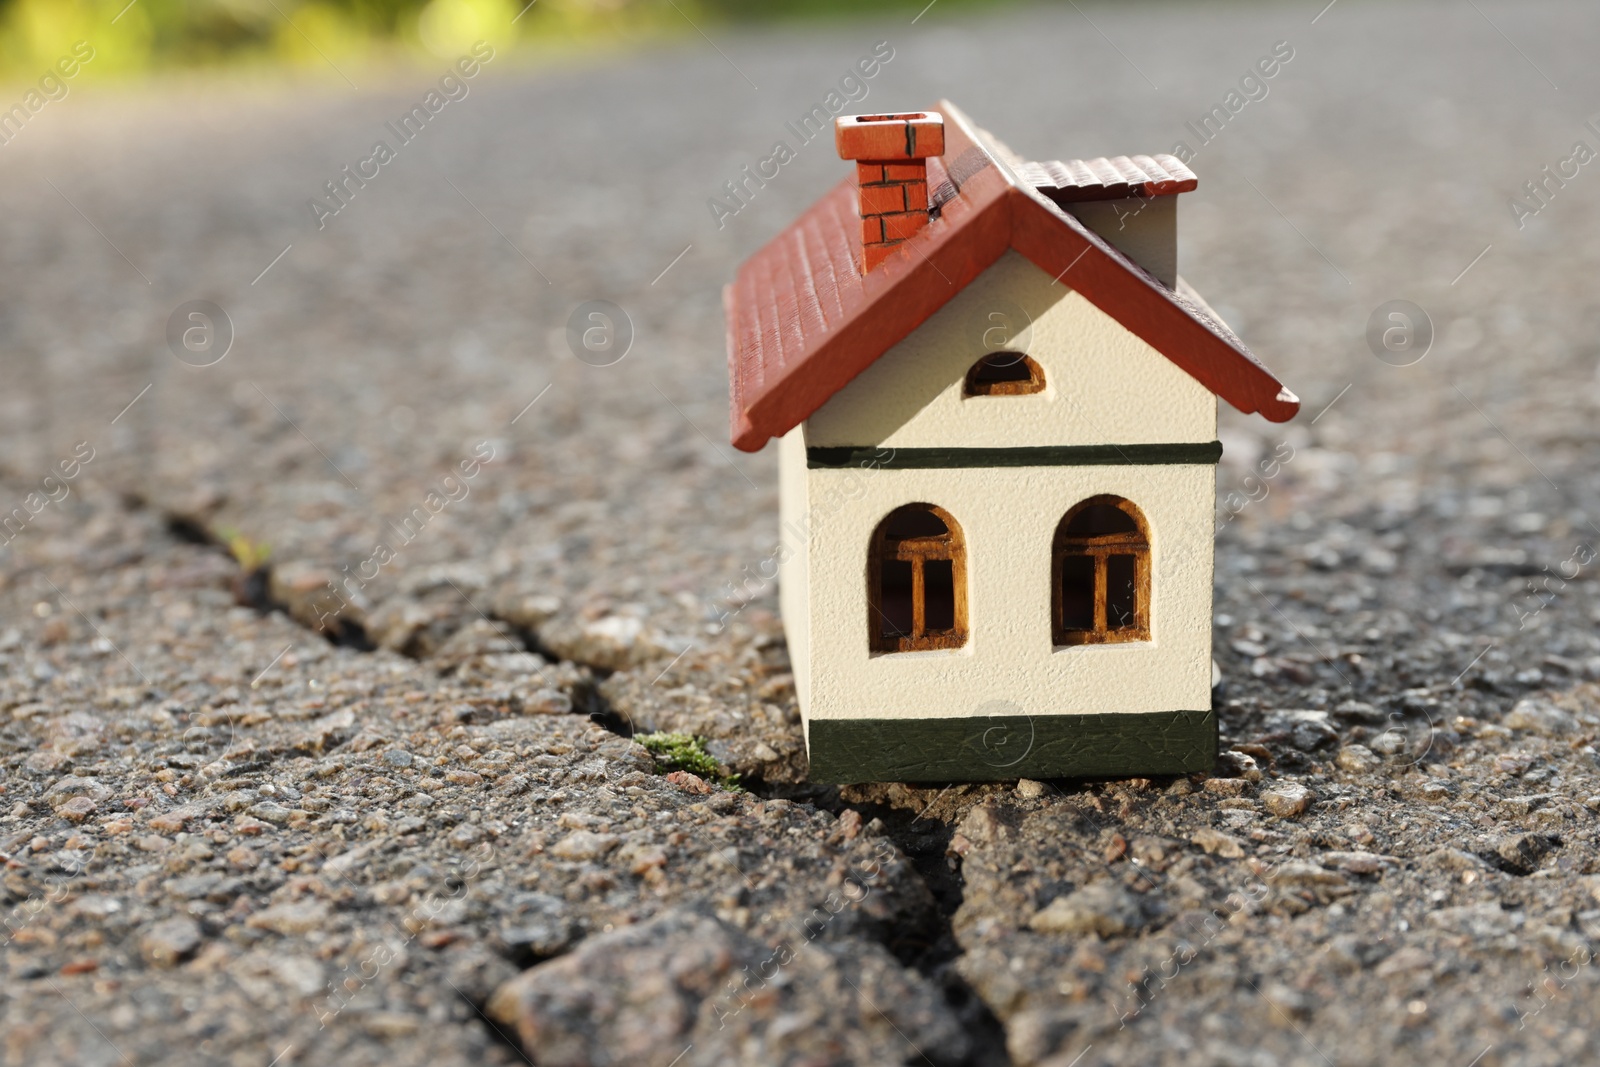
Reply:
x=132, y=39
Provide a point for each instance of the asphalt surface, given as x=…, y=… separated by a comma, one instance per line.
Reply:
x=422, y=835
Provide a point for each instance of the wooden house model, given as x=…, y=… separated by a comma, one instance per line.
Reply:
x=996, y=409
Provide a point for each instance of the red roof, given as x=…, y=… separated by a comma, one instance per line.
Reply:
x=803, y=321
x=1109, y=179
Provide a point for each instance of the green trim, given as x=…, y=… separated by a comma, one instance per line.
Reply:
x=1186, y=452
x=1003, y=747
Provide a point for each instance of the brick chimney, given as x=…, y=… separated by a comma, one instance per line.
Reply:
x=892, y=177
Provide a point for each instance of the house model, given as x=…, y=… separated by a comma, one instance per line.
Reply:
x=996, y=409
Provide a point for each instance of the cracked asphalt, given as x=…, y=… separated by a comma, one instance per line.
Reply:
x=247, y=821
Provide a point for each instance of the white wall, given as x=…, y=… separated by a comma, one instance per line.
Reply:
x=1104, y=385
x=1008, y=517
x=793, y=530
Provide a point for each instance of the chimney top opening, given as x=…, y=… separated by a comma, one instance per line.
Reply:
x=907, y=117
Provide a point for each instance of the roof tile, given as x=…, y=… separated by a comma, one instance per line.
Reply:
x=1109, y=178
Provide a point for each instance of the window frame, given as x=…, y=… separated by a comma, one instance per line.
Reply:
x=1100, y=547
x=1035, y=383
x=951, y=546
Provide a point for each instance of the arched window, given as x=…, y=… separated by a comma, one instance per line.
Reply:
x=917, y=581
x=1100, y=574
x=1004, y=374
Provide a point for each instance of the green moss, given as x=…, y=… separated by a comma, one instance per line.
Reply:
x=249, y=554
x=685, y=752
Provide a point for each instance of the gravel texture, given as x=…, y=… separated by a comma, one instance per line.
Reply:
x=247, y=821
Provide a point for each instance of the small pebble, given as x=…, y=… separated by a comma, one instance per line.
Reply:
x=1218, y=843
x=1103, y=908
x=1357, y=759
x=170, y=941
x=1286, y=799
x=77, y=809
x=1540, y=716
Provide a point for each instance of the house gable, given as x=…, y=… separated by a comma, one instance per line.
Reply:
x=1103, y=384
x=803, y=321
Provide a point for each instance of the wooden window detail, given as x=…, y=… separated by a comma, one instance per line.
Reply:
x=1004, y=374
x=917, y=581
x=1100, y=574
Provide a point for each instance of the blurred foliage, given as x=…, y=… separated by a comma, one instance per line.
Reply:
x=130, y=38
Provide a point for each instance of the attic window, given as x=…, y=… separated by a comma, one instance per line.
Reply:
x=1004, y=374
x=1101, y=574
x=917, y=581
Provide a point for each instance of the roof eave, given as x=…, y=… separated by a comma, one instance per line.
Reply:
x=1057, y=243
x=947, y=262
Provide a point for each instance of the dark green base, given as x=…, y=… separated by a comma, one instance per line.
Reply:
x=994, y=748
